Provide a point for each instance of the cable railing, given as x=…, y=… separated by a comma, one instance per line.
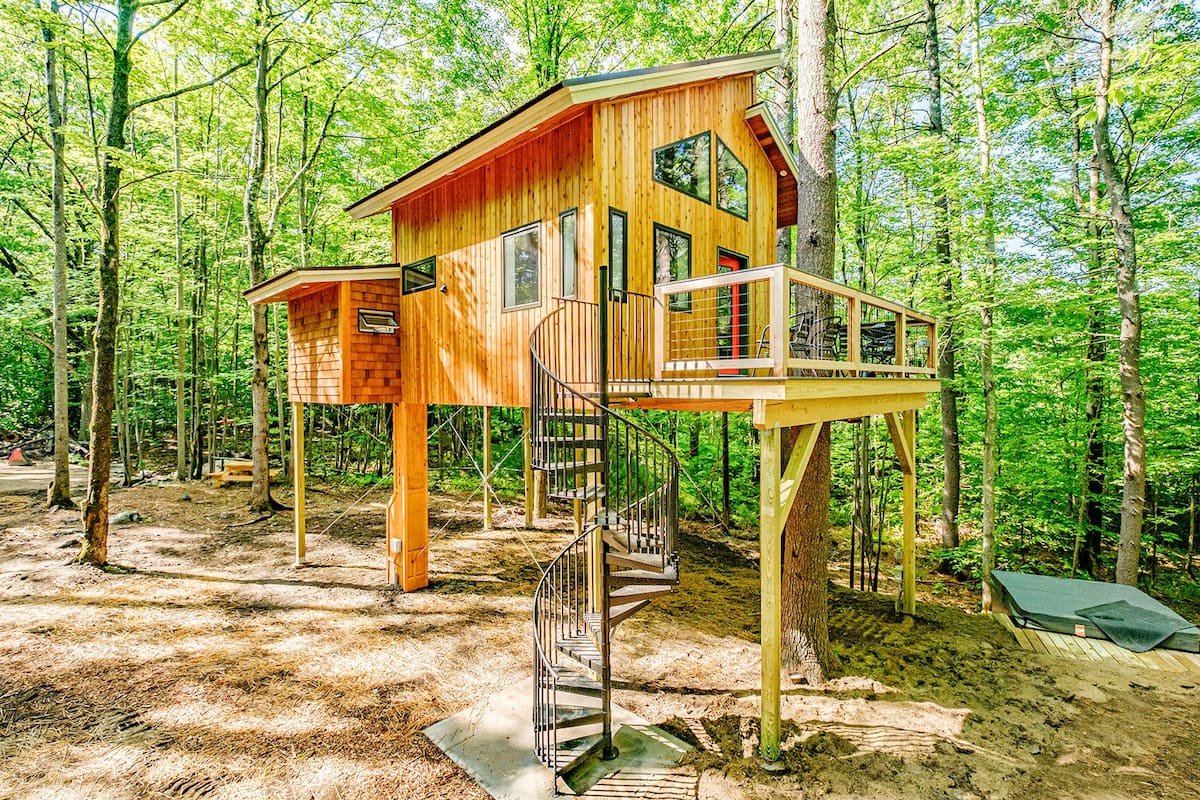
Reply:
x=779, y=322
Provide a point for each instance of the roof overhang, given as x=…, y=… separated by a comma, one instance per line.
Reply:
x=296, y=282
x=552, y=104
x=765, y=129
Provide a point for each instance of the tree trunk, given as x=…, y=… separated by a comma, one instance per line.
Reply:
x=256, y=246
x=785, y=94
x=987, y=301
x=1133, y=497
x=946, y=366
x=59, y=495
x=1097, y=350
x=805, y=538
x=181, y=309
x=95, y=503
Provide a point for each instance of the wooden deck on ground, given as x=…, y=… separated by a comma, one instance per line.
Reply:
x=1085, y=649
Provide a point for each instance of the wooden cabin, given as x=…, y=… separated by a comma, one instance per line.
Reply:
x=672, y=179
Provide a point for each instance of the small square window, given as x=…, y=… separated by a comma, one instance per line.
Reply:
x=418, y=276
x=521, y=266
x=374, y=320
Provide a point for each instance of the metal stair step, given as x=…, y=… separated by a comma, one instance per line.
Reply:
x=639, y=591
x=582, y=650
x=570, y=417
x=574, y=467
x=636, y=560
x=578, y=684
x=568, y=717
x=627, y=577
x=585, y=493
x=618, y=612
x=581, y=442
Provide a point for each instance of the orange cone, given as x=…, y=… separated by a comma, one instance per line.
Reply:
x=17, y=459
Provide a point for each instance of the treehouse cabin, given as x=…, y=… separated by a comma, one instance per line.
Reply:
x=608, y=246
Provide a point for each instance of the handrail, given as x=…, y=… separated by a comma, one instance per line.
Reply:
x=777, y=321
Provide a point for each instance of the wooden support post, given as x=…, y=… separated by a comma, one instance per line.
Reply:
x=771, y=580
x=487, y=468
x=408, y=508
x=298, y=521
x=527, y=457
x=903, y=428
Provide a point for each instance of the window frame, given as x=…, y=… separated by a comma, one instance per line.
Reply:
x=537, y=226
x=717, y=177
x=687, y=297
x=618, y=292
x=414, y=266
x=708, y=163
x=572, y=212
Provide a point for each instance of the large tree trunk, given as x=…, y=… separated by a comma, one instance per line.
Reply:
x=59, y=495
x=95, y=502
x=805, y=538
x=182, y=449
x=256, y=246
x=1095, y=468
x=946, y=364
x=785, y=98
x=987, y=300
x=1133, y=497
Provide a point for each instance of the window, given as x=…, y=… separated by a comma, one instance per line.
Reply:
x=521, y=266
x=419, y=275
x=686, y=165
x=673, y=262
x=618, y=249
x=570, y=252
x=733, y=193
x=376, y=320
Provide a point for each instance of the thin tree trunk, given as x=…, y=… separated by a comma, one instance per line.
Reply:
x=1133, y=497
x=95, y=503
x=181, y=429
x=806, y=647
x=987, y=303
x=59, y=495
x=946, y=364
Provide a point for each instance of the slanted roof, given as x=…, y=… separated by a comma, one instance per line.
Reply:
x=296, y=282
x=554, y=105
x=787, y=191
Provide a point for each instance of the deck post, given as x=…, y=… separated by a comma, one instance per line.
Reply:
x=527, y=458
x=298, y=520
x=903, y=428
x=910, y=515
x=487, y=468
x=408, y=507
x=771, y=582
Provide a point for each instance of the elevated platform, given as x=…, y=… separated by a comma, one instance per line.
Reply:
x=787, y=401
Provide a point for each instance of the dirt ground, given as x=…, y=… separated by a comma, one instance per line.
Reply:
x=213, y=668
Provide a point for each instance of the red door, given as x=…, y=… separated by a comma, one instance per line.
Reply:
x=733, y=314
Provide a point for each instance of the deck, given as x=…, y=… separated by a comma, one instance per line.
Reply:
x=1060, y=645
x=788, y=346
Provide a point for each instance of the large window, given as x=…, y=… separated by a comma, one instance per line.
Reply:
x=521, y=287
x=733, y=191
x=686, y=165
x=570, y=252
x=673, y=262
x=618, y=250
x=419, y=275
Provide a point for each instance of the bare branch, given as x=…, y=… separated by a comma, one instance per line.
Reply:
x=193, y=87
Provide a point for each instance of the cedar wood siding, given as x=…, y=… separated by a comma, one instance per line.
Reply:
x=626, y=132
x=459, y=347
x=314, y=347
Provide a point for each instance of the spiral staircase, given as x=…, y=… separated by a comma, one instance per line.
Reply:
x=623, y=482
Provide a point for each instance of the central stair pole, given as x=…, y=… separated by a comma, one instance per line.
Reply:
x=609, y=752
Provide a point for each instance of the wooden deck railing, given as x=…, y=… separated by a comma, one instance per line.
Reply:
x=777, y=321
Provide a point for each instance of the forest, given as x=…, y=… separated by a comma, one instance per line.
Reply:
x=223, y=139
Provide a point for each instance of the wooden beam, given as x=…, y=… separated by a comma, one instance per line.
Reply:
x=900, y=441
x=408, y=508
x=796, y=466
x=487, y=468
x=909, y=560
x=770, y=548
x=527, y=457
x=298, y=520
x=790, y=413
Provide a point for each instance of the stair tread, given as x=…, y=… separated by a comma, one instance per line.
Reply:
x=573, y=466
x=635, y=590
x=581, y=493
x=649, y=575
x=570, y=717
x=580, y=442
x=582, y=649
x=651, y=561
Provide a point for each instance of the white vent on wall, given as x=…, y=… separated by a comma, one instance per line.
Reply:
x=371, y=320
